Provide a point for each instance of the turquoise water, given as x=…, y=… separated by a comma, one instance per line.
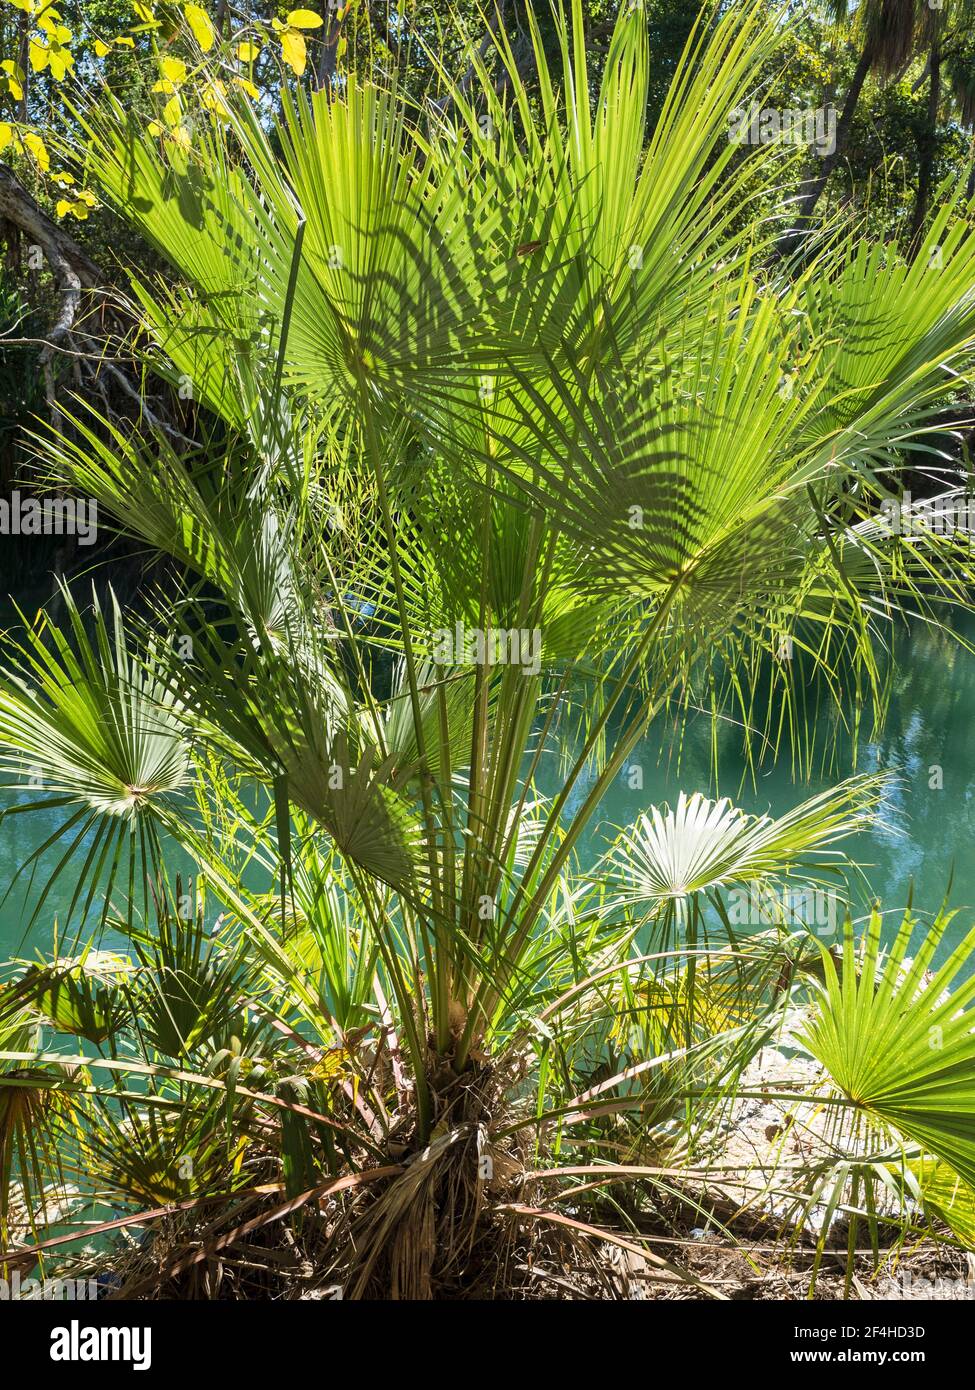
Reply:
x=927, y=835
x=923, y=839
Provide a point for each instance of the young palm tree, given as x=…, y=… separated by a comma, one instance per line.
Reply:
x=513, y=438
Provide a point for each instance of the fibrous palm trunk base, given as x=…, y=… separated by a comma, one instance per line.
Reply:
x=449, y=1222
x=444, y=1227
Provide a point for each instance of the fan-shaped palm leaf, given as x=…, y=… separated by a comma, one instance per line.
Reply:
x=701, y=845
x=896, y=1043
x=90, y=728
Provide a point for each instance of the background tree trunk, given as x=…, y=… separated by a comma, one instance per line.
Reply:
x=814, y=187
x=929, y=144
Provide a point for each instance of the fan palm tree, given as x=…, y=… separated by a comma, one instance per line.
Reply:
x=503, y=407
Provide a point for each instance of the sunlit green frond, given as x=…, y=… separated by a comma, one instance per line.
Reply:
x=897, y=1043
x=87, y=726
x=87, y=720
x=702, y=844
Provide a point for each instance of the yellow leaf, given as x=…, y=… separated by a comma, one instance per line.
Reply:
x=304, y=19
x=62, y=207
x=293, y=50
x=60, y=59
x=174, y=70
x=144, y=12
x=101, y=48
x=199, y=22
x=154, y=128
x=12, y=79
x=6, y=134
x=50, y=22
x=125, y=42
x=248, y=87
x=172, y=111
x=63, y=178
x=248, y=52
x=38, y=149
x=214, y=99
x=38, y=55
x=334, y=1063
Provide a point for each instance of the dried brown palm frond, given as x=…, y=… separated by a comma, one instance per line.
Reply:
x=891, y=27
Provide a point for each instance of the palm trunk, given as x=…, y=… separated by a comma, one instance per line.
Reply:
x=814, y=187
x=928, y=145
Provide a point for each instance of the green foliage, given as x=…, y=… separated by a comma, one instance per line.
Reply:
x=897, y=1044
x=515, y=366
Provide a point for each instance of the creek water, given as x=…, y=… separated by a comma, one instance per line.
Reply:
x=923, y=839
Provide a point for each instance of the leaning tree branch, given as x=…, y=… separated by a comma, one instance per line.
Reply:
x=19, y=207
x=74, y=274
x=73, y=270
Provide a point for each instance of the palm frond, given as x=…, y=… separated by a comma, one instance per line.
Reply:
x=896, y=1043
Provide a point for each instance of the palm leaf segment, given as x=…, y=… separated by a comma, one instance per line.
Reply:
x=897, y=1044
x=699, y=845
x=93, y=730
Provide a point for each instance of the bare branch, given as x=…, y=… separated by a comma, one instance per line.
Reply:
x=73, y=270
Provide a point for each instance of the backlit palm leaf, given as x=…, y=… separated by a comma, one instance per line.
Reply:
x=701, y=844
x=896, y=1044
x=88, y=727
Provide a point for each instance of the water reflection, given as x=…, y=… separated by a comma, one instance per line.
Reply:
x=928, y=741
